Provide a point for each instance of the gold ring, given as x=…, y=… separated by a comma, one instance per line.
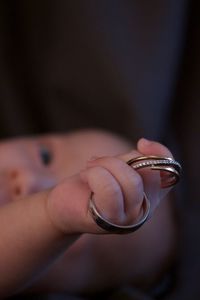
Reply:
x=171, y=167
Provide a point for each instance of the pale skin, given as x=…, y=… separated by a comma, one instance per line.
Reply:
x=49, y=241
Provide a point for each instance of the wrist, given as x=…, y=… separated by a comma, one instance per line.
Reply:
x=67, y=206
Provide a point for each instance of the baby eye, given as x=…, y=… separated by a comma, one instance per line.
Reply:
x=46, y=155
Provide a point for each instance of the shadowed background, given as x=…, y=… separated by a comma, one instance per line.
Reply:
x=131, y=67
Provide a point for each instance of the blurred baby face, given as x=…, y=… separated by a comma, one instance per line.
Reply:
x=29, y=165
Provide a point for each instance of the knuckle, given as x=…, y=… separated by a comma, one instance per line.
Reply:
x=137, y=183
x=112, y=190
x=115, y=212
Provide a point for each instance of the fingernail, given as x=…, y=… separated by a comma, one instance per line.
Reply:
x=92, y=158
x=145, y=141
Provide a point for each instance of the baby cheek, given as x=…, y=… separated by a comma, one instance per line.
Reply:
x=64, y=169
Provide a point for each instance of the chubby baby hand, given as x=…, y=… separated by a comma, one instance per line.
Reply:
x=117, y=188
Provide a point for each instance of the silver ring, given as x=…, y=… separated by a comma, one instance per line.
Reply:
x=115, y=228
x=170, y=167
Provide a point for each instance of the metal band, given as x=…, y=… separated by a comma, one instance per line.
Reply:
x=115, y=228
x=171, y=168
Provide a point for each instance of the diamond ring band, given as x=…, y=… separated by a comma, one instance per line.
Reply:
x=171, y=169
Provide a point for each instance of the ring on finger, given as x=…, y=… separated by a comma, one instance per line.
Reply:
x=171, y=168
x=111, y=227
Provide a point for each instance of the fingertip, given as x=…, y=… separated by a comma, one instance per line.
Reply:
x=143, y=142
x=149, y=147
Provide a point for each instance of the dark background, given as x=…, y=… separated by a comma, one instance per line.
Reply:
x=131, y=67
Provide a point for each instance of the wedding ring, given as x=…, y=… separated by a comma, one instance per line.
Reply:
x=171, y=169
x=115, y=228
x=170, y=175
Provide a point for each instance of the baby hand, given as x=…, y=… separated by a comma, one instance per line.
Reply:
x=117, y=188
